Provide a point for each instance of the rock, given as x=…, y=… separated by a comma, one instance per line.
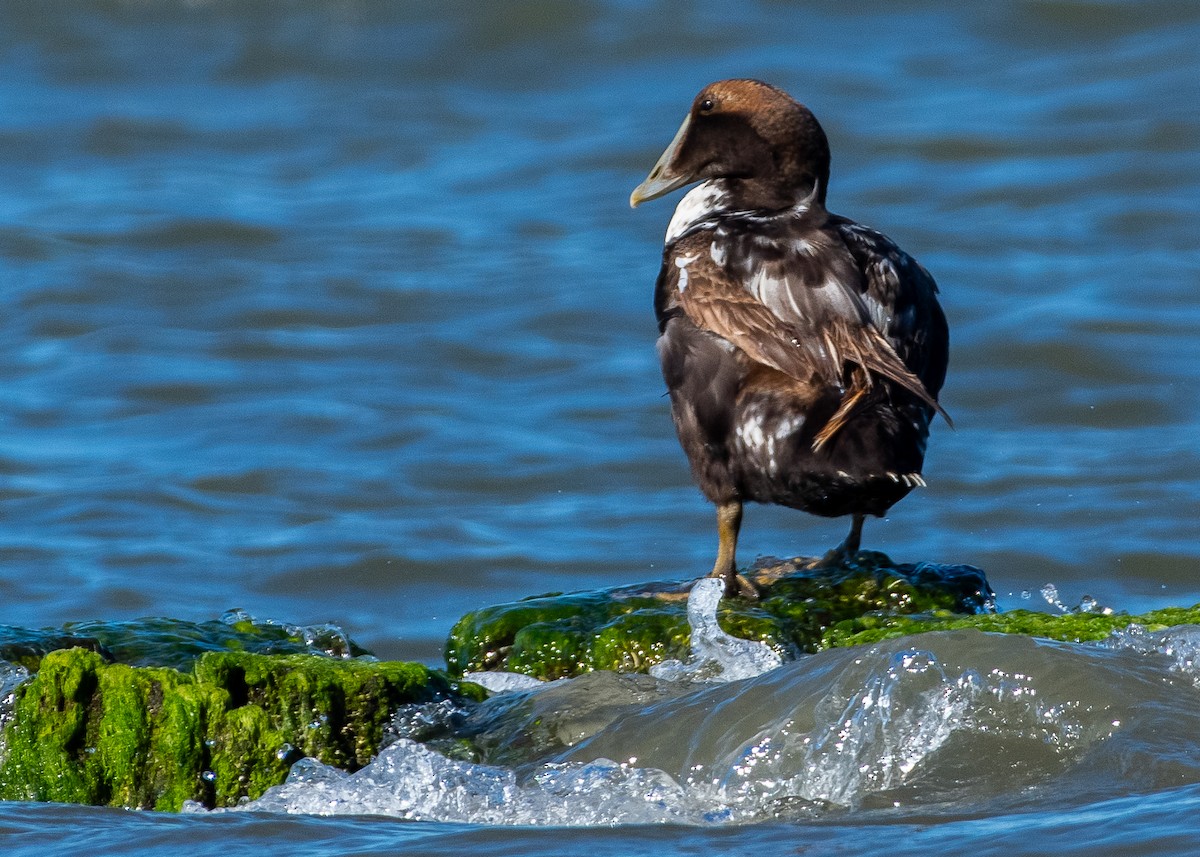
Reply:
x=629, y=629
x=86, y=731
x=1076, y=627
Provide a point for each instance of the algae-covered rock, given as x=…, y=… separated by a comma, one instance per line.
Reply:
x=86, y=731
x=1079, y=627
x=217, y=712
x=631, y=628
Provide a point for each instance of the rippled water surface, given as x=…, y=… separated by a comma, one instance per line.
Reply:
x=336, y=312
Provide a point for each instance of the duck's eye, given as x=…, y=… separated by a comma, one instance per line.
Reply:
x=706, y=105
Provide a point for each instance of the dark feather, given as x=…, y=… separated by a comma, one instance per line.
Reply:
x=792, y=294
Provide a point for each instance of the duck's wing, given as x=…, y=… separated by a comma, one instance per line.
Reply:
x=800, y=309
x=903, y=296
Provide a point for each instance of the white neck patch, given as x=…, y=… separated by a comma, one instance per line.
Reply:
x=699, y=203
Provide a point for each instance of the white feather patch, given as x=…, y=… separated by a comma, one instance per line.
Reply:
x=681, y=262
x=699, y=203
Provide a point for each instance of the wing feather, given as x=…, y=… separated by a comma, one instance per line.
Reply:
x=804, y=307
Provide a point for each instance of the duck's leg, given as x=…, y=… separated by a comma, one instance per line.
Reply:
x=849, y=546
x=847, y=550
x=729, y=523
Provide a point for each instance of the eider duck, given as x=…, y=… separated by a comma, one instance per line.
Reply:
x=803, y=352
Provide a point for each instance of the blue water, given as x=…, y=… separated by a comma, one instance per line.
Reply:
x=336, y=312
x=1133, y=825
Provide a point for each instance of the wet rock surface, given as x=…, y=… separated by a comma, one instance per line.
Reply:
x=83, y=730
x=630, y=629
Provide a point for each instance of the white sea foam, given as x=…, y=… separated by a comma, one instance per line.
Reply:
x=410, y=781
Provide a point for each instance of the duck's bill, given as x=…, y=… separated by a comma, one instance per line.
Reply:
x=663, y=178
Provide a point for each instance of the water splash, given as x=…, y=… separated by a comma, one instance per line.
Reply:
x=876, y=726
x=716, y=655
x=505, y=682
x=12, y=676
x=905, y=729
x=1050, y=594
x=323, y=639
x=903, y=715
x=1180, y=644
x=424, y=721
x=1087, y=604
x=412, y=782
x=1097, y=607
x=961, y=715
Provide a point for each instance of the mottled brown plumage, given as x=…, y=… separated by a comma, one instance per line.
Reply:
x=803, y=352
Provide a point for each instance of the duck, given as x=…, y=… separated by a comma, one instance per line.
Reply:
x=803, y=353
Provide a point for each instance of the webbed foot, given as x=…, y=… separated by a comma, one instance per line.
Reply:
x=738, y=586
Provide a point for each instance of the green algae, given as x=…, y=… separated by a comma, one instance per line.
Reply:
x=557, y=636
x=1069, y=627
x=90, y=732
x=632, y=628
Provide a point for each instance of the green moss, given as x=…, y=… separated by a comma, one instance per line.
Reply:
x=1071, y=627
x=87, y=731
x=801, y=609
x=47, y=747
x=554, y=636
x=632, y=628
x=634, y=640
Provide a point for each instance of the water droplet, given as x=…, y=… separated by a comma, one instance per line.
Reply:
x=208, y=777
x=285, y=750
x=1050, y=593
